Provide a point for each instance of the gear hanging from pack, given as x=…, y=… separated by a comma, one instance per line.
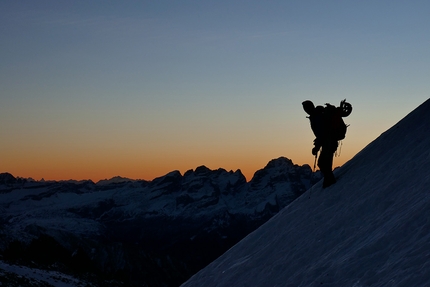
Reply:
x=346, y=108
x=339, y=149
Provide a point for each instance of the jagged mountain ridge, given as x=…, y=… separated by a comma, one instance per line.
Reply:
x=117, y=223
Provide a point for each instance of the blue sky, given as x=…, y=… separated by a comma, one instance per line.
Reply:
x=94, y=89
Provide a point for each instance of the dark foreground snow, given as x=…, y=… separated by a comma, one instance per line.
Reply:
x=14, y=275
x=372, y=228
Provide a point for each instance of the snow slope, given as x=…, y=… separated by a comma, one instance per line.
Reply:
x=372, y=228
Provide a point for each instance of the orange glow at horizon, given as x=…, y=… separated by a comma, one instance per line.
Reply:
x=95, y=169
x=55, y=156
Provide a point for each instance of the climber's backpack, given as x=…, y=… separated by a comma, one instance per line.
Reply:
x=327, y=121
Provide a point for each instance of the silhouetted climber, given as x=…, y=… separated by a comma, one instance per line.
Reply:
x=329, y=128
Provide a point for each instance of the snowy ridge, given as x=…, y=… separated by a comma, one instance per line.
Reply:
x=369, y=229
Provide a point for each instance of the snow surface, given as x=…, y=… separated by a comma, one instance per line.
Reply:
x=372, y=228
x=38, y=277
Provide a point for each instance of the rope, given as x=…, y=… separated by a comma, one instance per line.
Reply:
x=315, y=162
x=339, y=149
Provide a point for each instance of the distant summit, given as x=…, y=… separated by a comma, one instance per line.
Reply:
x=113, y=180
x=7, y=178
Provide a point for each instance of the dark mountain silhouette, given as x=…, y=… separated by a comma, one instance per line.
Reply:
x=136, y=232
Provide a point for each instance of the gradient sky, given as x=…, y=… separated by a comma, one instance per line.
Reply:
x=96, y=89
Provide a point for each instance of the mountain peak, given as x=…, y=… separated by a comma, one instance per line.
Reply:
x=115, y=179
x=281, y=161
x=7, y=178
